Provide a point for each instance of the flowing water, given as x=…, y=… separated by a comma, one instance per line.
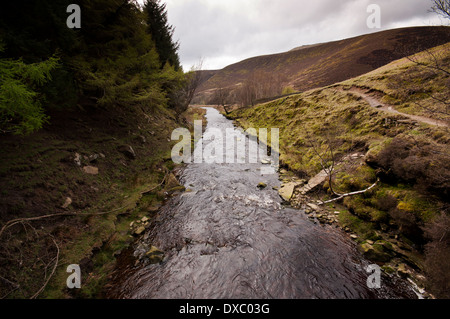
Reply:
x=227, y=238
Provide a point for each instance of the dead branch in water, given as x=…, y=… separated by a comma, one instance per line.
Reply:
x=160, y=184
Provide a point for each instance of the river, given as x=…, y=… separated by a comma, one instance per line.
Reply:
x=227, y=238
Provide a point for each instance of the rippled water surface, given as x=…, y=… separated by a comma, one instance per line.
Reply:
x=229, y=239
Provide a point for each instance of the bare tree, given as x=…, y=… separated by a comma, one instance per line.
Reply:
x=248, y=91
x=430, y=64
x=441, y=7
x=437, y=252
x=260, y=84
x=221, y=97
x=327, y=152
x=193, y=80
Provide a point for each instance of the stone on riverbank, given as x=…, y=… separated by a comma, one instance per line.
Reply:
x=286, y=191
x=313, y=206
x=139, y=230
x=90, y=170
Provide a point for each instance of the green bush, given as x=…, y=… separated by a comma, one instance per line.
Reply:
x=20, y=101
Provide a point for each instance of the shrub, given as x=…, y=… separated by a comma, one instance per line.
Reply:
x=437, y=256
x=20, y=102
x=408, y=224
x=386, y=203
x=417, y=162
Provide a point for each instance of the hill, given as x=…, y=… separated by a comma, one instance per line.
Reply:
x=313, y=66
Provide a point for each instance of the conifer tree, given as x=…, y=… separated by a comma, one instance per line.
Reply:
x=20, y=100
x=162, y=33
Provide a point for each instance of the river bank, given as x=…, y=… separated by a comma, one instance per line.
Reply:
x=70, y=192
x=385, y=248
x=390, y=221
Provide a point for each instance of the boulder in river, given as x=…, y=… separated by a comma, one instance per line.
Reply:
x=262, y=185
x=403, y=271
x=171, y=181
x=155, y=255
x=153, y=209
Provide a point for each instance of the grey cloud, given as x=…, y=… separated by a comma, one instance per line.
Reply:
x=225, y=31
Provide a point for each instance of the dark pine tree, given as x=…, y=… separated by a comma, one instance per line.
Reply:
x=162, y=33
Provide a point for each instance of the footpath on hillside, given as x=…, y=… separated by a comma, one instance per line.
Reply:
x=375, y=102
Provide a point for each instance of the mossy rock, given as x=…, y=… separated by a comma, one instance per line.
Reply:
x=262, y=185
x=376, y=252
x=385, y=244
x=154, y=255
x=389, y=270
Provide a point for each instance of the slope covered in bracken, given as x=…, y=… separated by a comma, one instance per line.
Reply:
x=327, y=63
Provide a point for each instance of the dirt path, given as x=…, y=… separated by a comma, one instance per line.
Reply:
x=376, y=103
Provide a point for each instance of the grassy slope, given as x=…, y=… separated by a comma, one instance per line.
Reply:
x=38, y=172
x=402, y=83
x=357, y=127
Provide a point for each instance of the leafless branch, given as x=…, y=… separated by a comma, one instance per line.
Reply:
x=351, y=194
x=160, y=184
x=15, y=287
x=428, y=64
x=13, y=222
x=327, y=159
x=51, y=274
x=441, y=7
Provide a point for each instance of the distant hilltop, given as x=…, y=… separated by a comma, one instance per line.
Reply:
x=317, y=65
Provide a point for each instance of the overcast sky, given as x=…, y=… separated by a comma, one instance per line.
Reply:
x=222, y=32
